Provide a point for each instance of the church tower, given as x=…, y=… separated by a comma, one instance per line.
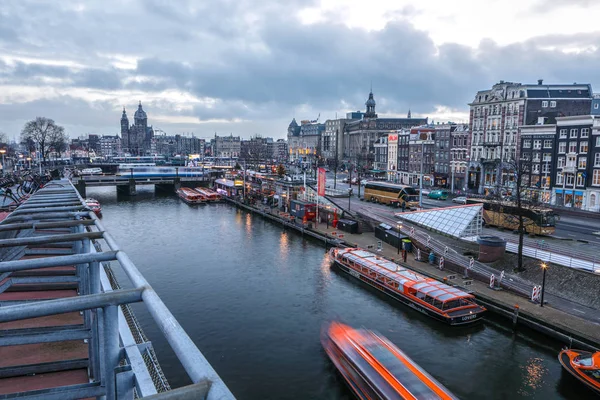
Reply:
x=125, y=129
x=140, y=119
x=370, y=106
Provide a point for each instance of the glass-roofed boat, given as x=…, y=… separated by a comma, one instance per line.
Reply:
x=429, y=296
x=375, y=368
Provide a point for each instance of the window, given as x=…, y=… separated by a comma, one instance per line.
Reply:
x=559, y=178
x=562, y=147
x=569, y=179
x=580, y=180
x=573, y=133
x=552, y=104
x=527, y=143
x=544, y=104
x=563, y=133
x=593, y=200
x=582, y=163
x=598, y=141
x=596, y=106
x=548, y=144
x=536, y=157
x=596, y=177
x=570, y=161
x=535, y=168
x=585, y=132
x=597, y=160
x=560, y=162
x=572, y=147
x=547, y=157
x=583, y=147
x=537, y=144
x=546, y=168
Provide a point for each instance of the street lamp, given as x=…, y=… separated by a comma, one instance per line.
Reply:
x=29, y=159
x=399, y=226
x=544, y=268
x=3, y=151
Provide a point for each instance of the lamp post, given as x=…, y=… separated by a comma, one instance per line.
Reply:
x=29, y=159
x=544, y=268
x=3, y=151
x=399, y=226
x=349, y=195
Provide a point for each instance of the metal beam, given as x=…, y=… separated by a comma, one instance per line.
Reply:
x=59, y=306
x=45, y=337
x=43, y=368
x=49, y=215
x=71, y=237
x=20, y=211
x=45, y=225
x=71, y=392
x=190, y=392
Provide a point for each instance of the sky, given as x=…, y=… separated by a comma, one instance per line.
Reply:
x=249, y=66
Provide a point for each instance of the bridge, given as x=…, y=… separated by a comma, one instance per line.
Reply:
x=67, y=330
x=127, y=184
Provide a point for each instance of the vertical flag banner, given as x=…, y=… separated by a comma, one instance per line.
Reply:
x=321, y=182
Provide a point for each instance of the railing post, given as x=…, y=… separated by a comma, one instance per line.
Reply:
x=93, y=345
x=111, y=349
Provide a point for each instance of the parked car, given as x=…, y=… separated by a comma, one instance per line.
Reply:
x=460, y=200
x=438, y=194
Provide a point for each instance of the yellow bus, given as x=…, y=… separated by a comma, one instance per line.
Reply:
x=392, y=194
x=536, y=220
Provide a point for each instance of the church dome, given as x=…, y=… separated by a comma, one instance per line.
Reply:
x=140, y=113
x=371, y=101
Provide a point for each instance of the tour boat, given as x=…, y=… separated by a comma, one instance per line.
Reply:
x=190, y=196
x=209, y=195
x=94, y=205
x=375, y=368
x=426, y=295
x=583, y=365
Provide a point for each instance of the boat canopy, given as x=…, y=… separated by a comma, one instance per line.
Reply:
x=405, y=277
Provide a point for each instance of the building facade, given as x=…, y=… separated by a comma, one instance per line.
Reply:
x=497, y=113
x=443, y=145
x=381, y=154
x=280, y=151
x=538, y=157
x=421, y=160
x=304, y=142
x=595, y=110
x=333, y=143
x=136, y=138
x=110, y=146
x=459, y=156
x=576, y=173
x=360, y=135
x=226, y=147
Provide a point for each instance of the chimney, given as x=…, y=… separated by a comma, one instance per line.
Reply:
x=540, y=81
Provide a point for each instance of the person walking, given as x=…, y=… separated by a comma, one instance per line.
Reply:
x=403, y=206
x=404, y=255
x=431, y=258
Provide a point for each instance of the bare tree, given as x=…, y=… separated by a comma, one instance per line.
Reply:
x=256, y=151
x=58, y=142
x=39, y=131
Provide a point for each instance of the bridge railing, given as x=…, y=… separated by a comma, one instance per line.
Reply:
x=57, y=216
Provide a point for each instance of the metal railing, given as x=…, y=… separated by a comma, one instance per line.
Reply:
x=56, y=224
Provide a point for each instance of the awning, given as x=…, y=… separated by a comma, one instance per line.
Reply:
x=377, y=171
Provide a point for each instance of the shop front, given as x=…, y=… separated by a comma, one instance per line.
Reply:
x=570, y=198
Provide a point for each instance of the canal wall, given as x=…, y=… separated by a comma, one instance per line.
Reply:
x=520, y=312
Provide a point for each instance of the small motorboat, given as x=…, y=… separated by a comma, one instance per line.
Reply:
x=583, y=365
x=94, y=205
x=375, y=368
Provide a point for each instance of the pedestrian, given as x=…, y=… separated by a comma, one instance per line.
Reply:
x=403, y=206
x=431, y=258
x=404, y=255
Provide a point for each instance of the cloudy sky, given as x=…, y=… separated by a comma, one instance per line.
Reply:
x=249, y=66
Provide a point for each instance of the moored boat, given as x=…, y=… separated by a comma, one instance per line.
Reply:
x=94, y=205
x=429, y=296
x=375, y=368
x=208, y=194
x=190, y=196
x=583, y=365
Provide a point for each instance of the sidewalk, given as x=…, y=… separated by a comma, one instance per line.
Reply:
x=556, y=311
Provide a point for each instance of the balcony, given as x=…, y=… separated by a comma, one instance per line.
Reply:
x=569, y=169
x=491, y=144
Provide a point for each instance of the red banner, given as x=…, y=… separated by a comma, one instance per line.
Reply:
x=321, y=182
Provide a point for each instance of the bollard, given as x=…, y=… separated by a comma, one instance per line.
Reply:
x=515, y=316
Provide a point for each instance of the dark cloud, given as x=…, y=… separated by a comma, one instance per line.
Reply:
x=259, y=62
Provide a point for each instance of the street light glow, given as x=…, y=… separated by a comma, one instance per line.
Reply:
x=544, y=265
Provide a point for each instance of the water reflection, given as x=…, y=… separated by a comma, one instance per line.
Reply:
x=256, y=311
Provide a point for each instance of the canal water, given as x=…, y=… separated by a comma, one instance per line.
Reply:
x=253, y=297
